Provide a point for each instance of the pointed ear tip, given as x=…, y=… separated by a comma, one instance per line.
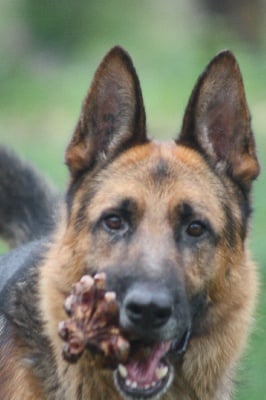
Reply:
x=225, y=56
x=117, y=49
x=117, y=52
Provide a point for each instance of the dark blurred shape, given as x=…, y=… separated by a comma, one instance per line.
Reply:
x=245, y=17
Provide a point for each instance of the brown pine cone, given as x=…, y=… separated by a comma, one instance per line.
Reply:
x=93, y=321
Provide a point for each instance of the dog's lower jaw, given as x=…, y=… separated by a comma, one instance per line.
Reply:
x=131, y=391
x=149, y=373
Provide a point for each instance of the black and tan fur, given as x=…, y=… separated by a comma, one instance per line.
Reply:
x=168, y=218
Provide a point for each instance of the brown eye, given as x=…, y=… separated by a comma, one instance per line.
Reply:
x=113, y=222
x=196, y=229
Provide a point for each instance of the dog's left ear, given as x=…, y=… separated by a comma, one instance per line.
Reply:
x=217, y=120
x=112, y=117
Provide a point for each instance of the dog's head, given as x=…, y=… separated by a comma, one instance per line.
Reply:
x=165, y=221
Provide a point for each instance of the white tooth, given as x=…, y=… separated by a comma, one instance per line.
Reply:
x=161, y=372
x=134, y=385
x=122, y=370
x=128, y=382
x=153, y=384
x=146, y=386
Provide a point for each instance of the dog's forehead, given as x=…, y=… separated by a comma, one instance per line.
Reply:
x=162, y=162
x=159, y=173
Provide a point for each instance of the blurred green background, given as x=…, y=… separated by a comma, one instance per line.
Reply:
x=50, y=49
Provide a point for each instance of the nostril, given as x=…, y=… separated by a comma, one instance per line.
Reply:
x=135, y=311
x=149, y=314
x=162, y=315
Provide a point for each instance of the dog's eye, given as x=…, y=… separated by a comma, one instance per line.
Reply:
x=196, y=229
x=114, y=222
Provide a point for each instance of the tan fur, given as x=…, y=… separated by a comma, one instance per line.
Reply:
x=210, y=359
x=111, y=159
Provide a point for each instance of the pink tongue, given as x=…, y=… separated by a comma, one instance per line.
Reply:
x=143, y=371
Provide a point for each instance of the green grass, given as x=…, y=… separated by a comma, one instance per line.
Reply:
x=251, y=382
x=41, y=98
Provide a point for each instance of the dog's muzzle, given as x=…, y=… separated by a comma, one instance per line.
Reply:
x=157, y=325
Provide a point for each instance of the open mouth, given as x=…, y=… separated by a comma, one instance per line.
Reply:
x=148, y=372
x=143, y=367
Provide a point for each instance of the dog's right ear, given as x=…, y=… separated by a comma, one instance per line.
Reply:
x=112, y=117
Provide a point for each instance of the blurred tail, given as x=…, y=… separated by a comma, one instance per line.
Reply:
x=28, y=203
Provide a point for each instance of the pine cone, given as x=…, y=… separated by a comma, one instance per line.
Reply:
x=93, y=321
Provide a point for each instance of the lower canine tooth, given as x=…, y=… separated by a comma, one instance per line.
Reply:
x=146, y=386
x=122, y=370
x=128, y=382
x=161, y=372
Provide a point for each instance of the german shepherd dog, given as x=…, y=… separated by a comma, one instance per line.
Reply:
x=166, y=222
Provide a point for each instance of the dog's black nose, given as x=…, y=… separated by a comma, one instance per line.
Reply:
x=147, y=308
x=151, y=313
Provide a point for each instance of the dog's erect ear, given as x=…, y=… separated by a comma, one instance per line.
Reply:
x=112, y=117
x=217, y=120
